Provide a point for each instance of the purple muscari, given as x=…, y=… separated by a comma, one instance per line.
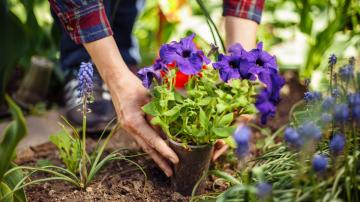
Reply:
x=346, y=73
x=326, y=118
x=335, y=92
x=263, y=190
x=147, y=75
x=85, y=78
x=332, y=59
x=187, y=57
x=356, y=112
x=309, y=131
x=242, y=138
x=291, y=136
x=319, y=163
x=337, y=144
x=341, y=112
x=328, y=103
x=237, y=65
x=354, y=98
x=312, y=96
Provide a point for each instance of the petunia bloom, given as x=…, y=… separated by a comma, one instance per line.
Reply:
x=265, y=106
x=187, y=57
x=147, y=75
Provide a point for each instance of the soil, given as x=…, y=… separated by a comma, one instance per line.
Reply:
x=118, y=181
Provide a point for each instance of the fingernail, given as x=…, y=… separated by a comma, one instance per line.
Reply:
x=174, y=160
x=168, y=173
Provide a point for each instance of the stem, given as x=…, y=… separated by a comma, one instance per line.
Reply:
x=83, y=171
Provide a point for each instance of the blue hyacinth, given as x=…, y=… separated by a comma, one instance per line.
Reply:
x=341, y=112
x=85, y=78
x=346, y=73
x=310, y=131
x=263, y=190
x=326, y=118
x=312, y=96
x=328, y=103
x=337, y=144
x=242, y=138
x=291, y=136
x=319, y=163
x=332, y=60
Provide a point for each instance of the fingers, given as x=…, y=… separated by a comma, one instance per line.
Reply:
x=159, y=160
x=246, y=118
x=220, y=148
x=155, y=141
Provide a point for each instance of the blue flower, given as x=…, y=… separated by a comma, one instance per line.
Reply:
x=309, y=131
x=265, y=106
x=85, y=78
x=341, y=112
x=326, y=118
x=356, y=112
x=292, y=137
x=236, y=65
x=187, y=57
x=337, y=144
x=346, y=73
x=148, y=74
x=335, y=92
x=312, y=96
x=328, y=103
x=332, y=59
x=319, y=163
x=354, y=98
x=263, y=190
x=242, y=138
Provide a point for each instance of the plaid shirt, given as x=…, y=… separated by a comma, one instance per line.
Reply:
x=86, y=21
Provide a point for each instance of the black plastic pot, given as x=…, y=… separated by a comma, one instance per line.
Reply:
x=194, y=163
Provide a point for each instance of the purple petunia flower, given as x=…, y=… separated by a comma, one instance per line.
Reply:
x=262, y=58
x=242, y=138
x=319, y=163
x=187, y=57
x=341, y=112
x=147, y=74
x=337, y=144
x=85, y=78
x=263, y=190
x=236, y=65
x=265, y=106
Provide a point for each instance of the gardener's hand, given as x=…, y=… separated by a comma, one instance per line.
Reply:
x=128, y=96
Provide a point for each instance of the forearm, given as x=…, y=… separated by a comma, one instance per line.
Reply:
x=239, y=30
x=107, y=58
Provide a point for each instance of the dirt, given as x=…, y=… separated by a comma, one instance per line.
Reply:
x=118, y=181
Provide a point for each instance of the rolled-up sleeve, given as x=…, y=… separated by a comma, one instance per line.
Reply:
x=84, y=20
x=248, y=9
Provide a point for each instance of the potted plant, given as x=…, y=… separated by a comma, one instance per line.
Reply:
x=195, y=103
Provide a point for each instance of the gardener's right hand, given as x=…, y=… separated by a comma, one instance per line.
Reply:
x=128, y=96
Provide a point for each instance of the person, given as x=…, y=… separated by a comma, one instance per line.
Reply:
x=87, y=24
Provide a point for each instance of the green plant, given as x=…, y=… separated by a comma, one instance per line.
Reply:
x=11, y=137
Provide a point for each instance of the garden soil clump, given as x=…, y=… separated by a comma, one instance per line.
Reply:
x=118, y=181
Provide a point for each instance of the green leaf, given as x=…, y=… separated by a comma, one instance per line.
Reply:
x=4, y=190
x=221, y=107
x=223, y=132
x=151, y=108
x=226, y=120
x=12, y=180
x=205, y=101
x=173, y=111
x=157, y=121
x=69, y=149
x=203, y=119
x=12, y=136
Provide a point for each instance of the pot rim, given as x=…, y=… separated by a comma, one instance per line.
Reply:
x=190, y=146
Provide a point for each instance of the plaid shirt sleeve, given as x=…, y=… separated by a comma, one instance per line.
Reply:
x=248, y=9
x=85, y=21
